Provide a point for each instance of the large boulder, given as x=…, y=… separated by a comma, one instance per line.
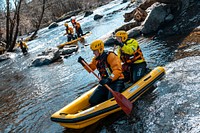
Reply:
x=4, y=57
x=47, y=57
x=155, y=19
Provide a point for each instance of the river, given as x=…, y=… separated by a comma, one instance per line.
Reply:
x=30, y=95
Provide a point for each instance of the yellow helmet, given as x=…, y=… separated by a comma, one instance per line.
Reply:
x=97, y=45
x=123, y=34
x=66, y=24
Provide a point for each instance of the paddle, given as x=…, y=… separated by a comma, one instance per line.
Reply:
x=123, y=102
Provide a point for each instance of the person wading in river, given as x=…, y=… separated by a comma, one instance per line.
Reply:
x=77, y=26
x=134, y=66
x=69, y=32
x=109, y=66
x=23, y=46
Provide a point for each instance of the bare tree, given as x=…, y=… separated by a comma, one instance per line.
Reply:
x=12, y=24
x=38, y=23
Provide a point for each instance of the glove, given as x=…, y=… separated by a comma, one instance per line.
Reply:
x=80, y=59
x=105, y=81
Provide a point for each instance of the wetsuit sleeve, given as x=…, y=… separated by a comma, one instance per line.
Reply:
x=115, y=64
x=92, y=65
x=131, y=47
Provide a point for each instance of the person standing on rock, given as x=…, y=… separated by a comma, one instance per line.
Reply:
x=77, y=26
x=23, y=46
x=69, y=32
x=134, y=64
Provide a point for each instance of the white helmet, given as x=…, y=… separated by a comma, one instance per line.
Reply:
x=73, y=18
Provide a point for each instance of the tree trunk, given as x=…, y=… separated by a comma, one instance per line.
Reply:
x=7, y=23
x=39, y=21
x=12, y=25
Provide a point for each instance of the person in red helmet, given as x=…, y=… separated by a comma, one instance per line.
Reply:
x=77, y=26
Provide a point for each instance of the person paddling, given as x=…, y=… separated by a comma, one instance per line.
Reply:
x=109, y=66
x=134, y=66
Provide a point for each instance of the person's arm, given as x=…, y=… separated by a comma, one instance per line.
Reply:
x=92, y=65
x=115, y=64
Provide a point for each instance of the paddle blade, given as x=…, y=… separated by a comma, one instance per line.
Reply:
x=123, y=102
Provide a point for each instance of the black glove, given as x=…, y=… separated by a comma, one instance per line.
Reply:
x=80, y=59
x=105, y=81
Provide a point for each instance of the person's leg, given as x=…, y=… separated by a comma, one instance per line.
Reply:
x=80, y=32
x=126, y=72
x=69, y=38
x=138, y=71
x=24, y=50
x=118, y=86
x=99, y=95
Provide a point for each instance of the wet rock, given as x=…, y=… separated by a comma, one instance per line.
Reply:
x=134, y=32
x=154, y=20
x=169, y=18
x=47, y=57
x=128, y=26
x=53, y=25
x=97, y=16
x=4, y=57
x=88, y=13
x=110, y=42
x=68, y=50
x=2, y=47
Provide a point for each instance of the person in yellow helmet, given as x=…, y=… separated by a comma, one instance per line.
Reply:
x=129, y=51
x=77, y=26
x=69, y=32
x=109, y=66
x=23, y=46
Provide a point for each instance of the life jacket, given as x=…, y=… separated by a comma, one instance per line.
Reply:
x=135, y=57
x=102, y=65
x=69, y=30
x=76, y=25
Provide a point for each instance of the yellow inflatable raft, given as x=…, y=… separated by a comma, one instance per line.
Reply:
x=74, y=41
x=78, y=114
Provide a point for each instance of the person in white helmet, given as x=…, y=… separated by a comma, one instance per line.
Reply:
x=77, y=26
